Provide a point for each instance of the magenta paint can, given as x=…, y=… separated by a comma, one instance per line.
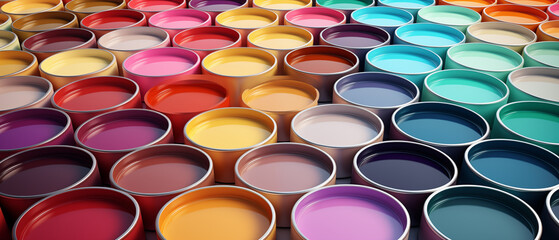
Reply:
x=46, y=44
x=153, y=66
x=314, y=19
x=349, y=212
x=34, y=174
x=205, y=40
x=102, y=23
x=174, y=21
x=111, y=135
x=34, y=127
x=20, y=92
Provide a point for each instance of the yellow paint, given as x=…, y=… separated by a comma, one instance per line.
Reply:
x=279, y=98
x=28, y=7
x=280, y=41
x=239, y=65
x=246, y=21
x=216, y=218
x=229, y=133
x=280, y=4
x=44, y=24
x=12, y=65
x=75, y=65
x=502, y=36
x=94, y=6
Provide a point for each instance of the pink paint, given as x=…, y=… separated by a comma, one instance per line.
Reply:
x=180, y=19
x=553, y=12
x=161, y=62
x=153, y=5
x=315, y=17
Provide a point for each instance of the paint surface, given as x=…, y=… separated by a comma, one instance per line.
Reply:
x=179, y=21
x=161, y=65
x=27, y=132
x=283, y=4
x=206, y=41
x=161, y=173
x=336, y=130
x=470, y=3
x=542, y=86
x=438, y=127
x=407, y=3
x=501, y=36
x=466, y=90
x=216, y=218
x=83, y=218
x=122, y=134
x=246, y=21
x=73, y=66
x=382, y=19
x=321, y=63
x=155, y=5
x=542, y=126
x=280, y=41
x=14, y=96
x=43, y=175
x=355, y=39
x=514, y=168
x=57, y=43
x=284, y=172
x=484, y=60
x=95, y=6
x=548, y=56
x=465, y=218
x=225, y=132
x=279, y=98
x=405, y=171
x=216, y=5
x=30, y=7
x=345, y=4
x=451, y=18
x=315, y=20
x=198, y=99
x=515, y=17
x=132, y=42
x=429, y=37
x=12, y=65
x=45, y=24
x=403, y=62
x=94, y=98
x=112, y=22
x=239, y=65
x=376, y=94
x=345, y=217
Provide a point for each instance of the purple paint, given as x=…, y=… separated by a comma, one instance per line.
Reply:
x=350, y=212
x=355, y=39
x=215, y=5
x=27, y=132
x=376, y=94
x=123, y=134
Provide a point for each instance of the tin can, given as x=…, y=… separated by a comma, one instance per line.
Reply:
x=475, y=5
x=102, y=23
x=539, y=4
x=20, y=8
x=553, y=11
x=281, y=7
x=534, y=84
x=431, y=36
x=5, y=22
x=177, y=20
x=547, y=31
x=46, y=44
x=156, y=174
x=205, y=40
x=525, y=16
x=460, y=17
x=87, y=98
x=30, y=25
x=22, y=92
x=84, y=8
x=314, y=19
x=387, y=18
x=503, y=34
x=344, y=6
x=246, y=20
x=18, y=63
x=410, y=6
x=541, y=54
x=34, y=174
x=149, y=8
x=8, y=41
x=216, y=7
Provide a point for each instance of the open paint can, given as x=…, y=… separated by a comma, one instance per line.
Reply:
x=9, y=40
x=246, y=20
x=18, y=63
x=156, y=174
x=283, y=172
x=553, y=11
x=406, y=170
x=205, y=40
x=548, y=31
x=314, y=19
x=34, y=174
x=174, y=21
x=504, y=34
x=5, y=22
x=342, y=211
x=46, y=44
x=21, y=8
x=214, y=8
x=338, y=129
x=452, y=16
x=111, y=135
x=149, y=8
x=476, y=5
x=218, y=132
x=231, y=212
x=541, y=54
x=102, y=23
x=21, y=92
x=525, y=16
x=30, y=25
x=84, y=8
x=550, y=215
x=435, y=37
x=182, y=100
x=386, y=18
x=95, y=212
x=34, y=127
x=281, y=7
x=411, y=6
x=534, y=84
x=476, y=212
x=87, y=98
x=344, y=6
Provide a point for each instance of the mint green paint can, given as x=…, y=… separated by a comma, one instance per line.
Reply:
x=541, y=54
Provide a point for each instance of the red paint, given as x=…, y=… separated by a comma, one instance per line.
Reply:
x=207, y=38
x=94, y=98
x=321, y=63
x=199, y=98
x=114, y=19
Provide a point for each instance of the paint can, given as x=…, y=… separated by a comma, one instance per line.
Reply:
x=504, y=34
x=534, y=84
x=387, y=18
x=22, y=92
x=87, y=98
x=149, y=8
x=553, y=11
x=338, y=129
x=9, y=41
x=84, y=8
x=345, y=6
x=18, y=63
x=5, y=22
x=411, y=6
x=477, y=212
x=323, y=214
x=476, y=5
x=46, y=44
x=30, y=25
x=550, y=215
x=525, y=16
x=531, y=121
x=36, y=173
x=205, y=40
x=69, y=66
x=111, y=135
x=182, y=100
x=20, y=8
x=214, y=8
x=411, y=62
x=314, y=19
x=282, y=100
x=102, y=23
x=246, y=20
x=548, y=31
x=321, y=67
x=283, y=172
x=408, y=171
x=431, y=36
x=541, y=54
x=177, y=20
x=34, y=127
x=445, y=126
x=153, y=66
x=379, y=92
x=539, y=4
x=477, y=91
x=281, y=7
x=492, y=59
x=95, y=212
x=156, y=174
x=453, y=16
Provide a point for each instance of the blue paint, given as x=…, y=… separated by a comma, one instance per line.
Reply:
x=376, y=94
x=515, y=168
x=404, y=59
x=382, y=16
x=439, y=127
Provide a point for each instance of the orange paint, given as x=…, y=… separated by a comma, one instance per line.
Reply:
x=528, y=17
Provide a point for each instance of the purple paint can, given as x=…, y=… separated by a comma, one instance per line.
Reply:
x=28, y=128
x=349, y=212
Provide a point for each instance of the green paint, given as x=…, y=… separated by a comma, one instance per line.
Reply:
x=542, y=126
x=485, y=60
x=468, y=218
x=344, y=4
x=465, y=90
x=547, y=56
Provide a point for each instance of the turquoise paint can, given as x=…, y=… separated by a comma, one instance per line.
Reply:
x=386, y=18
x=454, y=16
x=411, y=6
x=345, y=6
x=435, y=37
x=541, y=54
